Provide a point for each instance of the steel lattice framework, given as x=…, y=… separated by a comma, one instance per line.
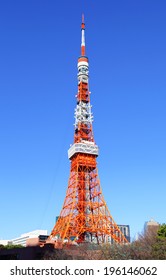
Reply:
x=85, y=215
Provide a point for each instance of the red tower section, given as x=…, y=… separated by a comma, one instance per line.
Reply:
x=85, y=215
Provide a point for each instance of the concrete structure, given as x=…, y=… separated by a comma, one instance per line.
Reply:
x=151, y=226
x=23, y=239
x=4, y=242
x=125, y=229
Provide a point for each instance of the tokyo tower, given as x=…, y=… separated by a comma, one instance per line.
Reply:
x=84, y=215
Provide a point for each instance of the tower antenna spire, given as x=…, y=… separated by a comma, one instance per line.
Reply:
x=83, y=36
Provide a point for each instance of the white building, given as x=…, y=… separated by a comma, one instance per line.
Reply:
x=21, y=240
x=4, y=242
x=151, y=225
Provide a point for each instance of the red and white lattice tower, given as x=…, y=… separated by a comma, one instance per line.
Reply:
x=85, y=215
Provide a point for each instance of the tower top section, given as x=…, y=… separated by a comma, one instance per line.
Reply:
x=83, y=114
x=83, y=36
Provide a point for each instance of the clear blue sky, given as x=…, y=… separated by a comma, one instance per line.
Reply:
x=39, y=47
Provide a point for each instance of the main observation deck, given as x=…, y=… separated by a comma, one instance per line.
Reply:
x=85, y=147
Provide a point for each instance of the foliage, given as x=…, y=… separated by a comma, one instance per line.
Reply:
x=1, y=246
x=162, y=231
x=58, y=254
x=150, y=246
x=12, y=246
x=159, y=249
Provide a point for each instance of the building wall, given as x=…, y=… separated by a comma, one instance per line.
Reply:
x=125, y=229
x=151, y=226
x=4, y=242
x=24, y=237
x=22, y=240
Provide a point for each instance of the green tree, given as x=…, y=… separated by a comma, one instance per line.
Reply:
x=159, y=249
x=1, y=246
x=162, y=231
x=12, y=246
